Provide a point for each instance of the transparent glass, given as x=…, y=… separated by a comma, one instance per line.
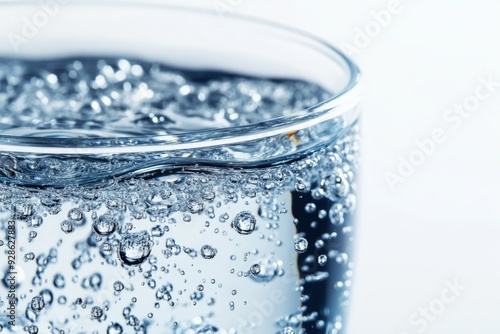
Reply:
x=172, y=170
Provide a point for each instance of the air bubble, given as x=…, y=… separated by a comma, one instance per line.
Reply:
x=350, y=203
x=157, y=231
x=300, y=186
x=207, y=195
x=95, y=281
x=310, y=207
x=255, y=269
x=75, y=214
x=267, y=270
x=96, y=312
x=29, y=256
x=32, y=329
x=336, y=215
x=300, y=245
x=208, y=252
x=114, y=328
x=244, y=223
x=105, y=225
x=106, y=247
x=195, y=207
x=37, y=303
x=163, y=293
x=335, y=185
x=59, y=281
x=67, y=227
x=118, y=286
x=135, y=248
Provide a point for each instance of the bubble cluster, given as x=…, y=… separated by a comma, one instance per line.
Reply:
x=129, y=244
x=171, y=247
x=101, y=97
x=163, y=293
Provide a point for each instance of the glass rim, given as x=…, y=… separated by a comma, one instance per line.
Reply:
x=335, y=106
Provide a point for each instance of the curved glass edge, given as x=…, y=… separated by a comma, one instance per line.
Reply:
x=337, y=106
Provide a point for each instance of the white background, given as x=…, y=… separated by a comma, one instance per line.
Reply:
x=443, y=222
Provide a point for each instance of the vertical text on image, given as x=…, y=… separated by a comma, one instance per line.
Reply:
x=10, y=279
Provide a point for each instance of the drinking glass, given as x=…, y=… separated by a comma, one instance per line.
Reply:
x=168, y=169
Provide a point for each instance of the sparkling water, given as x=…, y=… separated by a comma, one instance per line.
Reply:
x=138, y=244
